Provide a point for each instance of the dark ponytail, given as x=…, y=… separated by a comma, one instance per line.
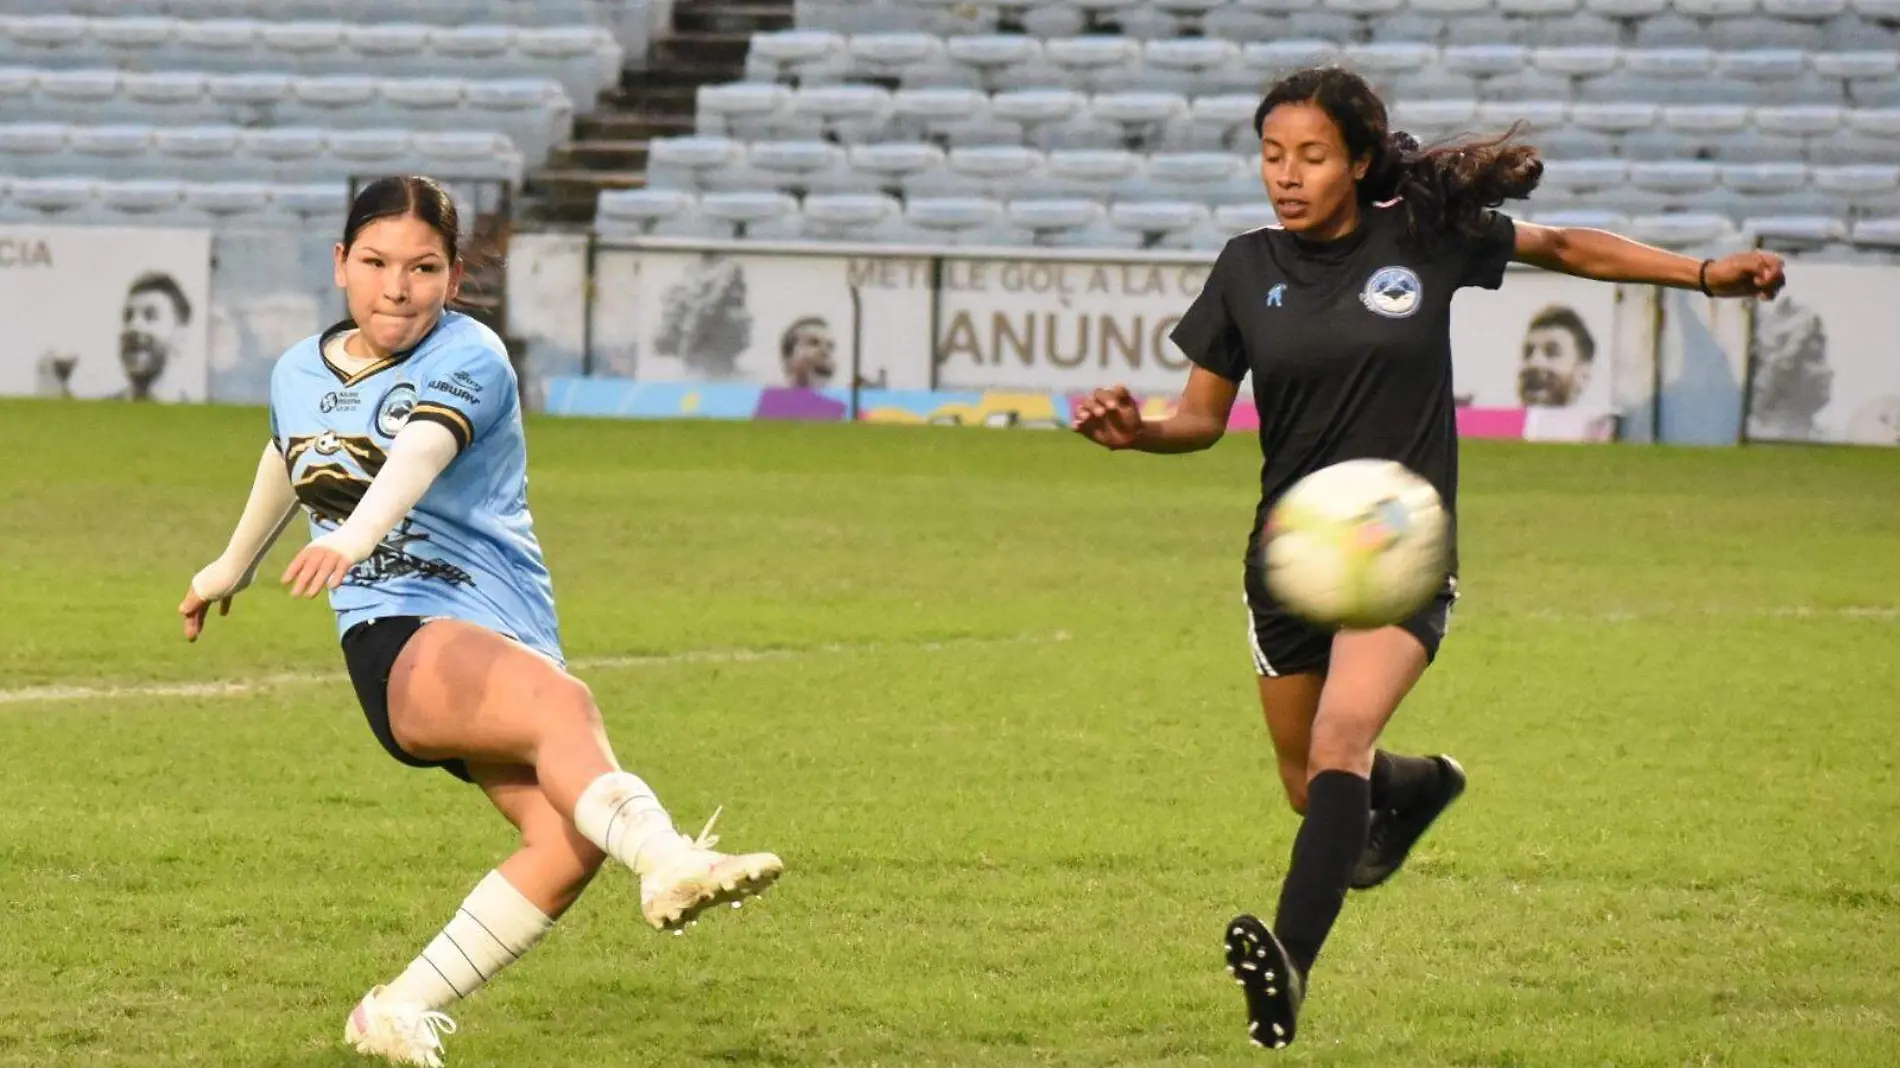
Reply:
x=1445, y=189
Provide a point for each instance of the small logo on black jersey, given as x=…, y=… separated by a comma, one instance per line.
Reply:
x=392, y=412
x=1276, y=295
x=1394, y=292
x=340, y=401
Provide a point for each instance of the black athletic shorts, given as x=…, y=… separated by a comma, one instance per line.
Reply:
x=370, y=649
x=1285, y=644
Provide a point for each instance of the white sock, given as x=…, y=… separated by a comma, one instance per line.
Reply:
x=619, y=813
x=492, y=929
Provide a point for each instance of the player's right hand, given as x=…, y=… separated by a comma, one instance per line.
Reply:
x=1109, y=417
x=194, y=609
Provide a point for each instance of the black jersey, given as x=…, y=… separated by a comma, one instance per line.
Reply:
x=1349, y=344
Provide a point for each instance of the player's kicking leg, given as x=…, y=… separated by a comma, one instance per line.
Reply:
x=506, y=915
x=1409, y=794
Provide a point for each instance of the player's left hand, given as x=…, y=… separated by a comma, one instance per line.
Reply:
x=194, y=609
x=316, y=569
x=1747, y=274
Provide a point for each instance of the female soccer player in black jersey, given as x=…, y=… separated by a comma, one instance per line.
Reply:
x=1342, y=316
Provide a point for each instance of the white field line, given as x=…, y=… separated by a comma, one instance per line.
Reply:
x=247, y=687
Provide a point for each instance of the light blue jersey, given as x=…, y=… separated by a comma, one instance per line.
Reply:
x=467, y=550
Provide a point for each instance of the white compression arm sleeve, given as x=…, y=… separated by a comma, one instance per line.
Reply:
x=420, y=452
x=266, y=514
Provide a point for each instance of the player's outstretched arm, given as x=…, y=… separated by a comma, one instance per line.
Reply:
x=266, y=514
x=421, y=451
x=1609, y=257
x=1112, y=419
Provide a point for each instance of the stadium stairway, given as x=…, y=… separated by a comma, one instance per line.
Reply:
x=706, y=44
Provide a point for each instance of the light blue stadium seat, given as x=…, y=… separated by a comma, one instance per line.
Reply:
x=1795, y=230
x=50, y=199
x=637, y=212
x=733, y=214
x=849, y=218
x=1872, y=135
x=116, y=151
x=986, y=56
x=1264, y=62
x=1430, y=120
x=145, y=202
x=1140, y=118
x=889, y=167
x=1576, y=61
x=18, y=86
x=965, y=221
x=1202, y=177
x=79, y=94
x=473, y=154
x=795, y=167
x=1242, y=218
x=904, y=57
x=1753, y=32
x=1882, y=233
x=1039, y=111
x=1094, y=63
x=1485, y=61
x=928, y=114
x=1222, y=122
x=230, y=205
x=1188, y=65
x=742, y=109
x=1682, y=230
x=1084, y=174
x=1867, y=188
x=1387, y=60
x=1160, y=223
x=201, y=153
x=798, y=57
x=996, y=171
x=1060, y=223
x=1800, y=120
x=847, y=113
x=684, y=163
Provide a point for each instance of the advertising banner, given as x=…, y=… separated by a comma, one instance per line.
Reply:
x=99, y=312
x=1821, y=359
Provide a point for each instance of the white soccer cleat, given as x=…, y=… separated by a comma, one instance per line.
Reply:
x=399, y=1032
x=696, y=878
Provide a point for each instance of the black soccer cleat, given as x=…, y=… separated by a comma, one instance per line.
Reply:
x=1394, y=833
x=1274, y=988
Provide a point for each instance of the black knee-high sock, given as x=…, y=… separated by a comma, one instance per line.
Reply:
x=1399, y=782
x=1338, y=812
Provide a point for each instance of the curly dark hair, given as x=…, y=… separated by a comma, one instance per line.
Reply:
x=1445, y=188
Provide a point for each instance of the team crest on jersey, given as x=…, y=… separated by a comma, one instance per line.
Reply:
x=1394, y=292
x=392, y=412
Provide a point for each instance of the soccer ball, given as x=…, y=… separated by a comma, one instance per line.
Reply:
x=1360, y=544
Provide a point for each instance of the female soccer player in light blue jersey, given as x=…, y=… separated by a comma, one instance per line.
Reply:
x=399, y=433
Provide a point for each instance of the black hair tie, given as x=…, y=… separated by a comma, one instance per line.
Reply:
x=1702, y=280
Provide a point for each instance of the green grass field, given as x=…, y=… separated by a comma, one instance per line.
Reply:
x=989, y=695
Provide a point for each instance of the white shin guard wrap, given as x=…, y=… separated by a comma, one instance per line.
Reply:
x=492, y=930
x=619, y=813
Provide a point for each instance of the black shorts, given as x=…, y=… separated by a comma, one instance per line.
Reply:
x=1285, y=644
x=370, y=649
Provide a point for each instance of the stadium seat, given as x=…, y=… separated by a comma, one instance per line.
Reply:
x=903, y=57
x=849, y=113
x=1036, y=111
x=798, y=57
x=1084, y=173
x=732, y=214
x=229, y=205
x=43, y=199
x=637, y=212
x=1796, y=229
x=1201, y=177
x=960, y=221
x=742, y=109
x=1066, y=222
x=682, y=163
x=1683, y=230
x=1242, y=218
x=995, y=171
x=1187, y=65
x=891, y=166
x=1160, y=223
x=849, y=217
x=795, y=167
x=1884, y=233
